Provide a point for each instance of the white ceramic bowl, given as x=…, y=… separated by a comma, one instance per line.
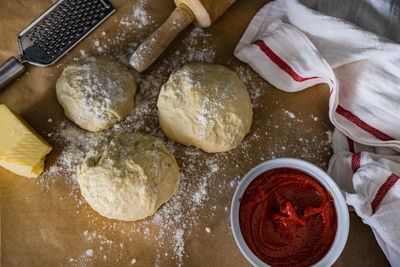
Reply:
x=340, y=205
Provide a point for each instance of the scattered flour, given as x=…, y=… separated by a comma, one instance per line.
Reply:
x=199, y=190
x=329, y=135
x=83, y=54
x=89, y=252
x=290, y=114
x=139, y=17
x=179, y=245
x=171, y=217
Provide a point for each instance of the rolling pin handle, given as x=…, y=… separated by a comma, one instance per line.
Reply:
x=157, y=42
x=9, y=71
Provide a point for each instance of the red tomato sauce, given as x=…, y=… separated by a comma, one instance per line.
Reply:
x=287, y=218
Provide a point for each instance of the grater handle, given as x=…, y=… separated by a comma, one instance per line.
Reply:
x=9, y=71
x=156, y=43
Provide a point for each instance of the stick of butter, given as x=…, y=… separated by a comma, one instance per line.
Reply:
x=22, y=150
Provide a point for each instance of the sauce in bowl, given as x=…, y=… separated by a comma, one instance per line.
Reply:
x=287, y=218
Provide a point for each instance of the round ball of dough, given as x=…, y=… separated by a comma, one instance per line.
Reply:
x=96, y=93
x=205, y=105
x=130, y=178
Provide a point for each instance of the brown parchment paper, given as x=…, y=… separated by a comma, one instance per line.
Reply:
x=41, y=223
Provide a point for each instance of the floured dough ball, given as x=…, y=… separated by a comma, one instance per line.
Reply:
x=96, y=93
x=205, y=105
x=130, y=178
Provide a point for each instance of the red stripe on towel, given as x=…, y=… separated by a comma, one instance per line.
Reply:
x=350, y=143
x=333, y=86
x=383, y=190
x=356, y=161
x=279, y=62
x=362, y=124
x=283, y=65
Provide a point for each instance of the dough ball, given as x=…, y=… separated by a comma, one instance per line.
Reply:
x=205, y=105
x=96, y=93
x=130, y=178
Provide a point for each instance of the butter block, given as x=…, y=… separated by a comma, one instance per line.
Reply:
x=22, y=150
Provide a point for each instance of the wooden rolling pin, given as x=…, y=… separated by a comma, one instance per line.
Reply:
x=201, y=12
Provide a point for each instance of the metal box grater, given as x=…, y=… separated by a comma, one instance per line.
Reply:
x=54, y=33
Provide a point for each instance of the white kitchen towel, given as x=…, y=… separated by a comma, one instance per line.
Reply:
x=370, y=184
x=352, y=48
x=294, y=47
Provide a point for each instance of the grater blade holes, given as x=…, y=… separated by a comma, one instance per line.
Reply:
x=62, y=27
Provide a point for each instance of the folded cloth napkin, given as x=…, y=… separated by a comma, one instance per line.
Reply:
x=293, y=46
x=370, y=183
